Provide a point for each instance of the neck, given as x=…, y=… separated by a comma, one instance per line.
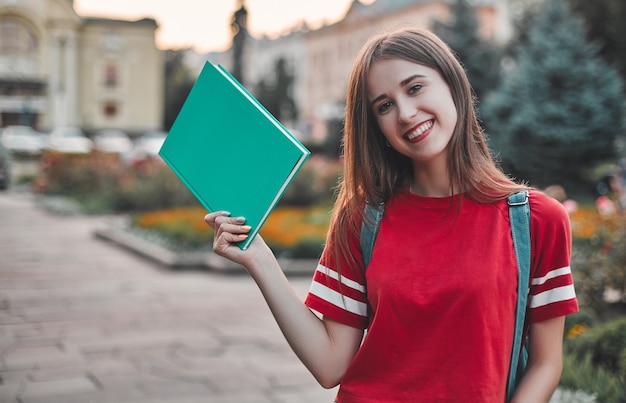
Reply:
x=431, y=181
x=420, y=190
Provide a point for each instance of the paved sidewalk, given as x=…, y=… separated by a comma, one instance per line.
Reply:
x=82, y=320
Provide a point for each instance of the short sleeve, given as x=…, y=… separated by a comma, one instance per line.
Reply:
x=340, y=294
x=552, y=291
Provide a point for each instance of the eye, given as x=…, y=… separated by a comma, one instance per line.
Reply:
x=415, y=88
x=384, y=106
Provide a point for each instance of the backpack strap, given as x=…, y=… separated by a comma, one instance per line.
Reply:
x=372, y=215
x=519, y=215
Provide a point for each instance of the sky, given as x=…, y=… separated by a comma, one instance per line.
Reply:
x=205, y=24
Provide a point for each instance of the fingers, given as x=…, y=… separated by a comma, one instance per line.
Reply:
x=227, y=229
x=211, y=217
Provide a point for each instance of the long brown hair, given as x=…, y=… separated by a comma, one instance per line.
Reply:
x=374, y=172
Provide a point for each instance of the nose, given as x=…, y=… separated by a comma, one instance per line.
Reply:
x=406, y=110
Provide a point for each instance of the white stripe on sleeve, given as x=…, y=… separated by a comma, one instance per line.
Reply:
x=554, y=295
x=337, y=299
x=552, y=274
x=345, y=281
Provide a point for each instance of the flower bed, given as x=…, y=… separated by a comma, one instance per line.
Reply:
x=289, y=231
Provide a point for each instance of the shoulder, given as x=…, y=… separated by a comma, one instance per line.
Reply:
x=539, y=199
x=545, y=210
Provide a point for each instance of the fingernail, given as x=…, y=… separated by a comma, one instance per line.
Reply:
x=225, y=213
x=242, y=236
x=240, y=220
x=246, y=228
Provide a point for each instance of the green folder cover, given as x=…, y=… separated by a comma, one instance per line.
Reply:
x=230, y=151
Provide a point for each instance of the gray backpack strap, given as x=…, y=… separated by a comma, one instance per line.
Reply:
x=372, y=215
x=519, y=213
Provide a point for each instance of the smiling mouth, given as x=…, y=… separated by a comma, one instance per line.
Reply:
x=419, y=130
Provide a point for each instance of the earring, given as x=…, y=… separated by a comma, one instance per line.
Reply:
x=387, y=143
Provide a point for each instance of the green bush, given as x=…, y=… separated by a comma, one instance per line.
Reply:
x=103, y=183
x=182, y=236
x=314, y=184
x=605, y=343
x=595, y=361
x=599, y=261
x=581, y=374
x=306, y=248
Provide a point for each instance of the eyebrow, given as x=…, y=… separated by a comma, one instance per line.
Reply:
x=402, y=84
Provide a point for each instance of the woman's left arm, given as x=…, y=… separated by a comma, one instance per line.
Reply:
x=545, y=362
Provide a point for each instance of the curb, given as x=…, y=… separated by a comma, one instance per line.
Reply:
x=190, y=260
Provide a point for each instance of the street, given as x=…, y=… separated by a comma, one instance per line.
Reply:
x=83, y=320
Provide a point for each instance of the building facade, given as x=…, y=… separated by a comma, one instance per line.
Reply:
x=321, y=59
x=332, y=49
x=60, y=69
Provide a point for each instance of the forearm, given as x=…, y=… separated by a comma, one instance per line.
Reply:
x=545, y=362
x=325, y=347
x=324, y=354
x=538, y=383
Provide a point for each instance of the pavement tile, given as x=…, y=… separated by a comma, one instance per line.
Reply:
x=58, y=373
x=9, y=392
x=83, y=320
x=58, y=387
x=35, y=357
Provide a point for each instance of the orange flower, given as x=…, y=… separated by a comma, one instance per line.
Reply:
x=286, y=226
x=576, y=331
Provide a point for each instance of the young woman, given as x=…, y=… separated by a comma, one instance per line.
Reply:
x=438, y=296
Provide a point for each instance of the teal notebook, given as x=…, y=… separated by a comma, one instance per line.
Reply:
x=230, y=151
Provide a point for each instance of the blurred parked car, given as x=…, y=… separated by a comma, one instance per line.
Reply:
x=69, y=140
x=23, y=140
x=5, y=167
x=112, y=141
x=148, y=145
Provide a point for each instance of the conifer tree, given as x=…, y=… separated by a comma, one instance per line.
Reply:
x=560, y=109
x=480, y=56
x=605, y=21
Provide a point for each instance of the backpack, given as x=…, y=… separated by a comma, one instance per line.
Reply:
x=519, y=213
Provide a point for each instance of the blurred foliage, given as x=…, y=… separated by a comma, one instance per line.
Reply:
x=560, y=104
x=178, y=83
x=276, y=93
x=599, y=260
x=582, y=374
x=179, y=229
x=605, y=22
x=480, y=56
x=289, y=231
x=297, y=232
x=104, y=183
x=595, y=343
x=595, y=358
x=314, y=184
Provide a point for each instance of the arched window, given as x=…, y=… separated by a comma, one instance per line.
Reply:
x=16, y=38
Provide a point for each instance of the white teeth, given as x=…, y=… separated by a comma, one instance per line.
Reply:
x=420, y=130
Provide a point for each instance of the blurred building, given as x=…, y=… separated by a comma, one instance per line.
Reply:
x=321, y=59
x=60, y=69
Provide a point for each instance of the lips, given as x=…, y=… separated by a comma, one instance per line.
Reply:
x=418, y=132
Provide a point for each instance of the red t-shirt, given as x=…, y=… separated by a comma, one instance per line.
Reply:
x=442, y=286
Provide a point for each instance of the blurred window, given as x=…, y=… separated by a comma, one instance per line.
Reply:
x=110, y=109
x=111, y=76
x=16, y=38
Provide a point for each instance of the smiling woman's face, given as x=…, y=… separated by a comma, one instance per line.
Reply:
x=413, y=107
